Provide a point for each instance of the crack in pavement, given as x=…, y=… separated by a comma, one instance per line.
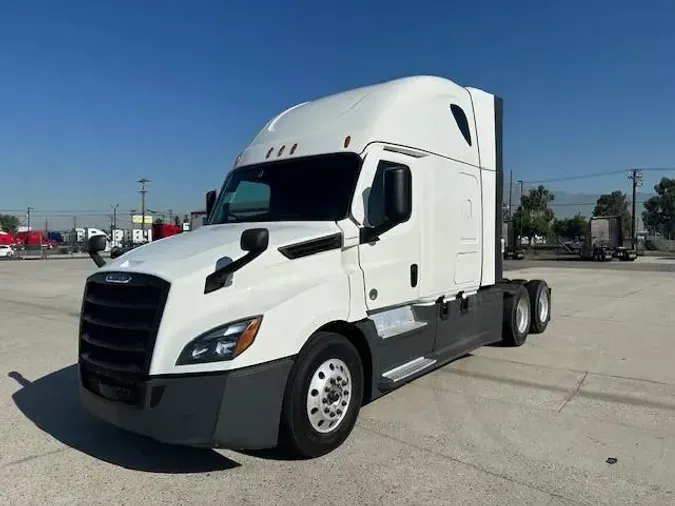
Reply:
x=580, y=371
x=23, y=460
x=573, y=392
x=468, y=464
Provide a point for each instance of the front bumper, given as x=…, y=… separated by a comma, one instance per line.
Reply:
x=237, y=409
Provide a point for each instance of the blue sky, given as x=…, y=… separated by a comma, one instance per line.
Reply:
x=94, y=95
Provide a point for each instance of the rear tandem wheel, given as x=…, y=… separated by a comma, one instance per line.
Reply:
x=540, y=305
x=516, y=318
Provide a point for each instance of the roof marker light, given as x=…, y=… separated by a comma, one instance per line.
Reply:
x=281, y=150
x=293, y=148
x=269, y=153
x=348, y=139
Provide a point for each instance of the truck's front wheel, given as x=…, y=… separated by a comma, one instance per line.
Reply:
x=323, y=396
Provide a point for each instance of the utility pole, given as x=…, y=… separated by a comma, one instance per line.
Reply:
x=73, y=237
x=520, y=227
x=511, y=196
x=28, y=210
x=143, y=181
x=635, y=175
x=113, y=223
x=131, y=220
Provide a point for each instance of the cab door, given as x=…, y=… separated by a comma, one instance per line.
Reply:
x=391, y=264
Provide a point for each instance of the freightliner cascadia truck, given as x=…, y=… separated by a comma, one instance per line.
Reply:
x=354, y=246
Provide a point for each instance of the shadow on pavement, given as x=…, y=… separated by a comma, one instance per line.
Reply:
x=52, y=404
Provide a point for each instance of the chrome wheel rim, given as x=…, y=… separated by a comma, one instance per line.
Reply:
x=543, y=306
x=522, y=315
x=329, y=395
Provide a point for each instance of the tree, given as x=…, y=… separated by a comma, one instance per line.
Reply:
x=571, y=228
x=614, y=204
x=9, y=223
x=534, y=217
x=611, y=204
x=538, y=199
x=176, y=220
x=659, y=213
x=159, y=221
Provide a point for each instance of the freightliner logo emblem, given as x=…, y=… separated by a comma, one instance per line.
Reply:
x=117, y=277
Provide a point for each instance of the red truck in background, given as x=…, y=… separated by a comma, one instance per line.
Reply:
x=35, y=238
x=162, y=230
x=7, y=239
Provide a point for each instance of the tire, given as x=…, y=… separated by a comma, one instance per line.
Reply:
x=332, y=356
x=540, y=305
x=515, y=324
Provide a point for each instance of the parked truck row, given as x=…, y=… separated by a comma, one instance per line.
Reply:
x=355, y=246
x=603, y=241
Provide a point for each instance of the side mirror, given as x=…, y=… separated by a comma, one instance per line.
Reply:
x=210, y=201
x=397, y=203
x=95, y=244
x=255, y=240
x=397, y=194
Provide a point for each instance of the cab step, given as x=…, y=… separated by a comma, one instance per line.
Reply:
x=391, y=378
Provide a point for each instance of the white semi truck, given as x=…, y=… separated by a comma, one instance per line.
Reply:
x=354, y=247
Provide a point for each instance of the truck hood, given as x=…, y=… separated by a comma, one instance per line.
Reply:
x=204, y=249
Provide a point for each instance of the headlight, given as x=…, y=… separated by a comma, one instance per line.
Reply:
x=222, y=343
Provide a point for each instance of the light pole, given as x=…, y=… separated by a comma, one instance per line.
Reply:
x=510, y=214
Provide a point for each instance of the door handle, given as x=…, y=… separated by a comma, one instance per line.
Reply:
x=413, y=275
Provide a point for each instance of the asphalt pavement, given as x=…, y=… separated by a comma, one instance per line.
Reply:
x=584, y=414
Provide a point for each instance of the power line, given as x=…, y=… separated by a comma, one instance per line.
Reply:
x=586, y=203
x=598, y=174
x=571, y=178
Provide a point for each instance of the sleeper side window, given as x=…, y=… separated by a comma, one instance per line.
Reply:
x=462, y=122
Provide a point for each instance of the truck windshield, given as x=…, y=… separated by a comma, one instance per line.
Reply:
x=316, y=188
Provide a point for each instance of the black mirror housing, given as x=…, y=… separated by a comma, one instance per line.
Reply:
x=96, y=243
x=210, y=201
x=254, y=240
x=397, y=203
x=397, y=194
